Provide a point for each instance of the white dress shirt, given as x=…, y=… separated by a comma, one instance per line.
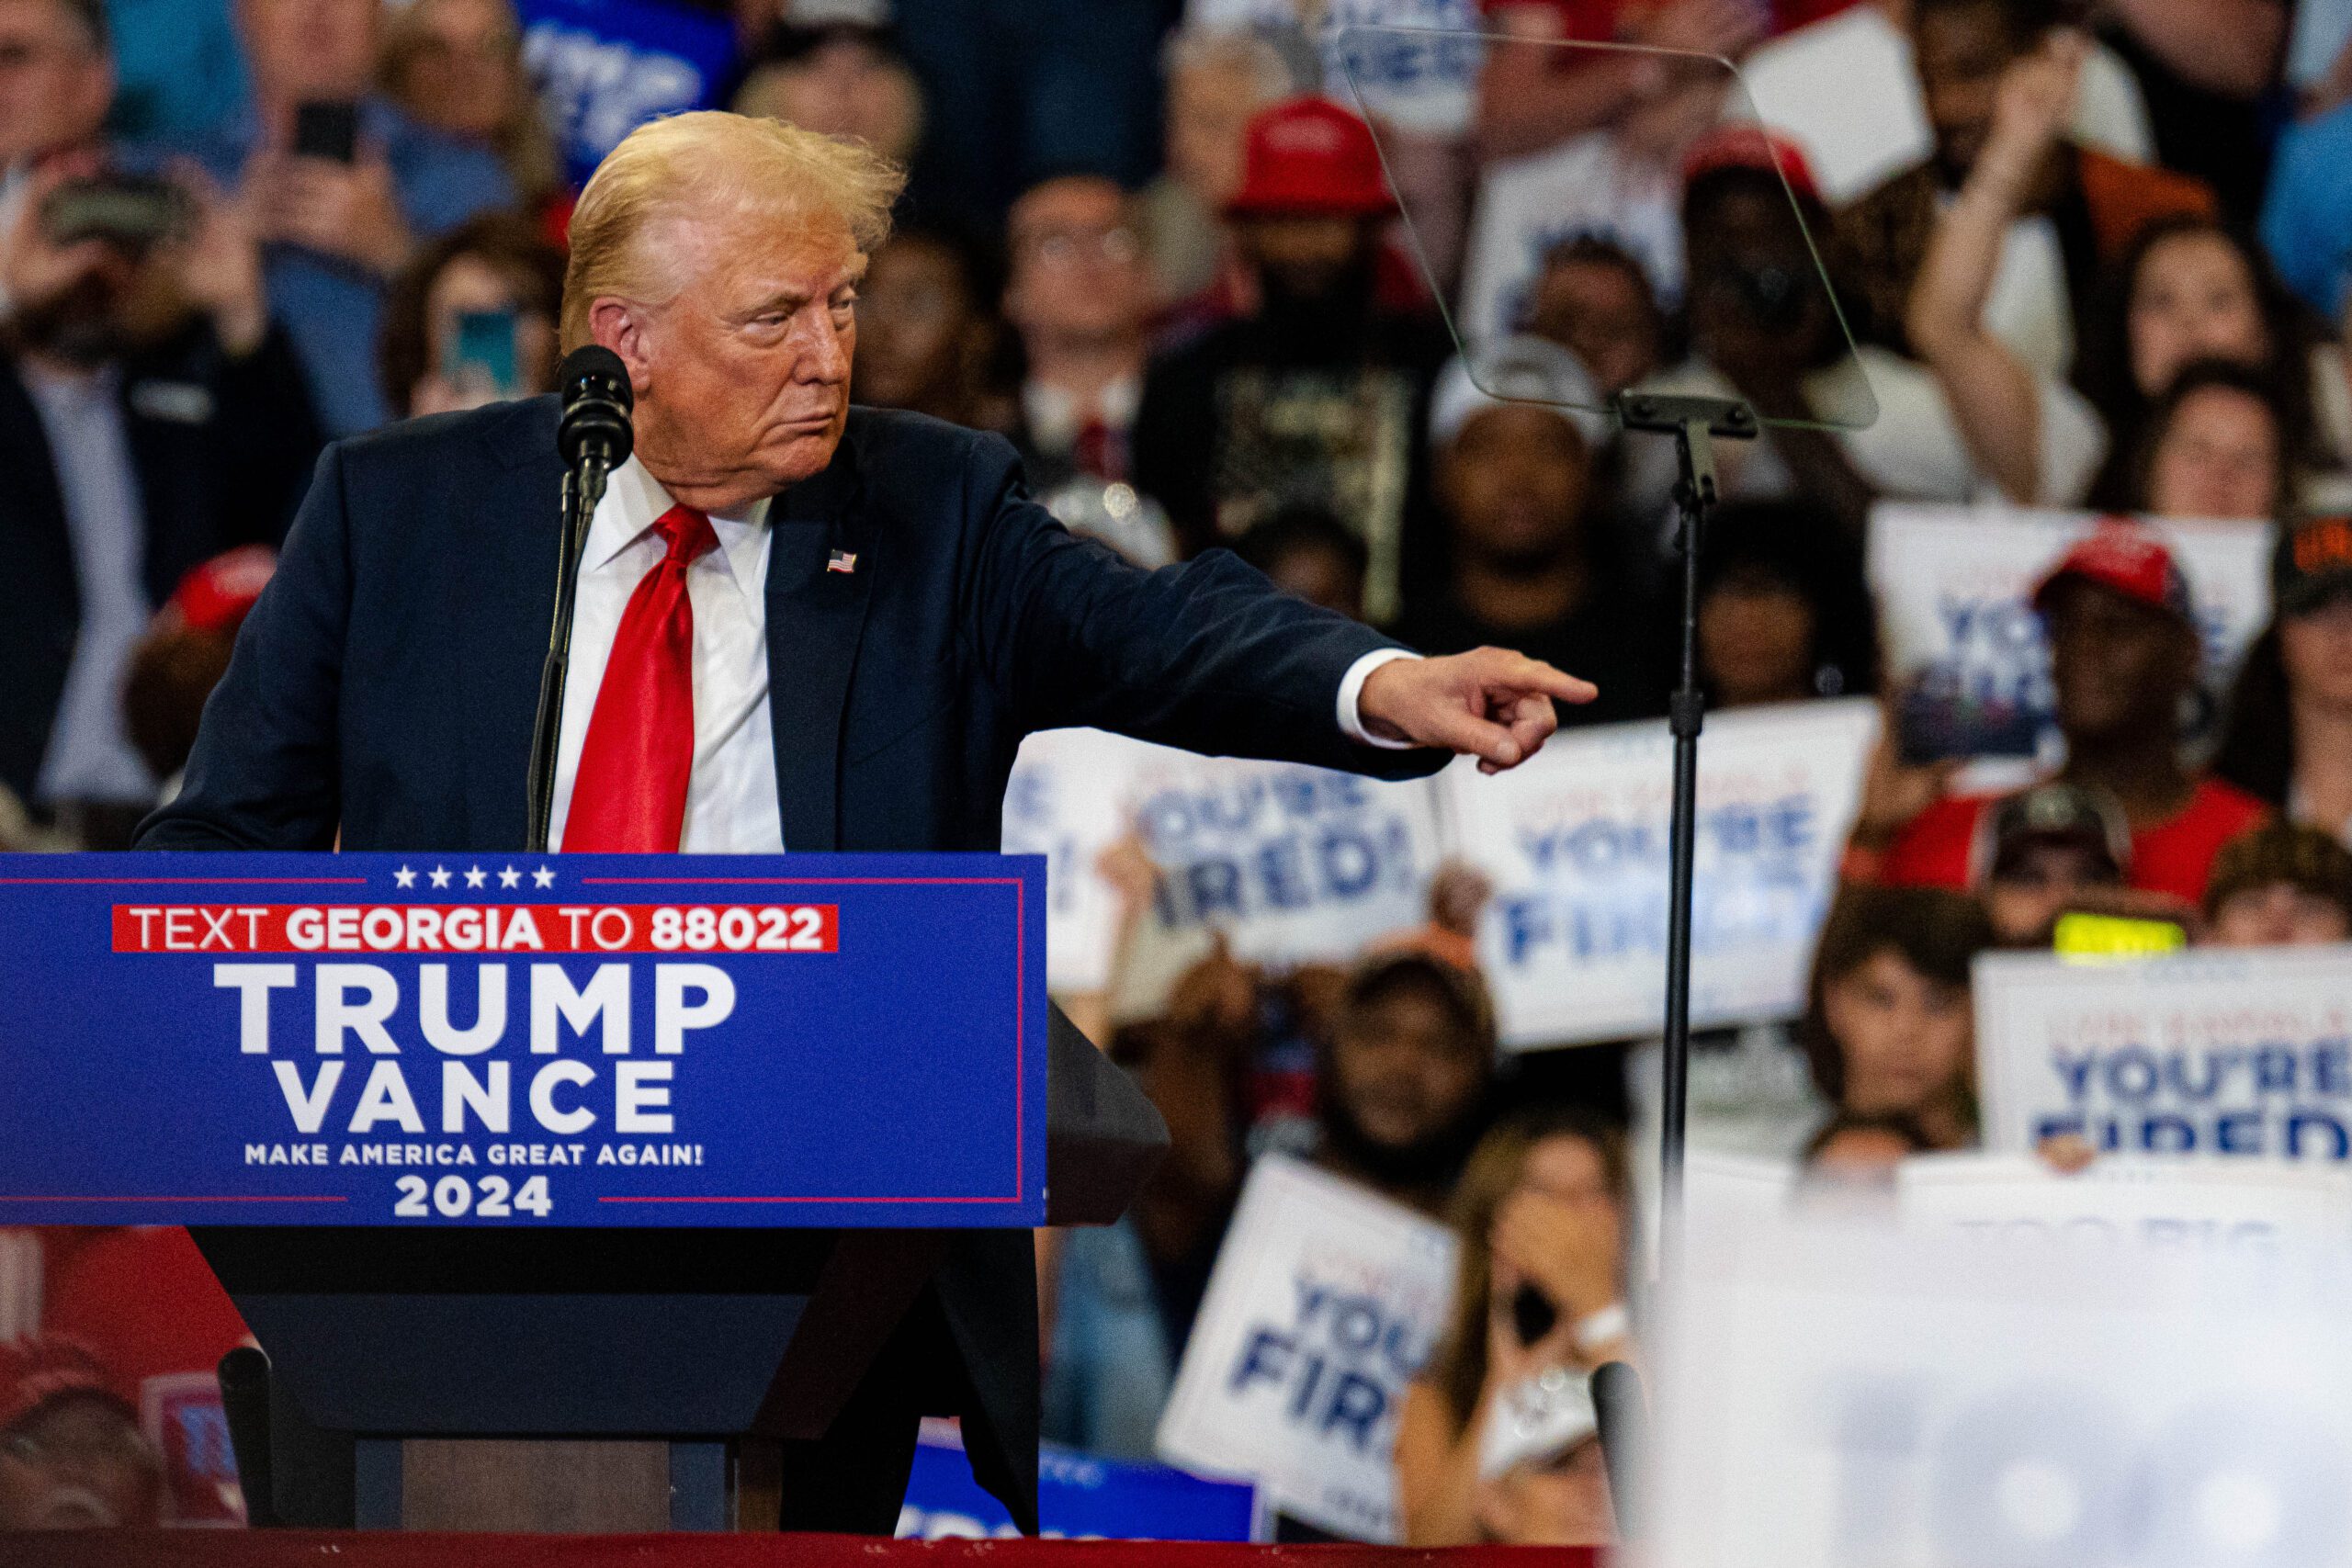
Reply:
x=731, y=804
x=730, y=796
x=90, y=757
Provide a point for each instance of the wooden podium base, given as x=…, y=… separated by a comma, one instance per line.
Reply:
x=572, y=1486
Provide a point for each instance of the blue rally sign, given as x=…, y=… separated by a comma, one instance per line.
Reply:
x=570, y=1040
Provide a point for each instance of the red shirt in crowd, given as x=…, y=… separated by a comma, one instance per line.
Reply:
x=1938, y=849
x=145, y=1301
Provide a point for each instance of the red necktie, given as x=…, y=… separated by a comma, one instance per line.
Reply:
x=629, y=796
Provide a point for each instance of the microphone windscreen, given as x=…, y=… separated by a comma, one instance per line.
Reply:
x=591, y=369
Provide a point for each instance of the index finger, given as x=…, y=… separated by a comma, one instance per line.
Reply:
x=1526, y=674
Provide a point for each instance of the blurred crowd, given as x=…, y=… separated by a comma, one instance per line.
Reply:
x=1277, y=277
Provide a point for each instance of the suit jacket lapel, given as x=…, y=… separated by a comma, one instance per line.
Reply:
x=815, y=617
x=505, y=600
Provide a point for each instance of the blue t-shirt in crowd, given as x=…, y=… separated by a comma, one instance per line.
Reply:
x=179, y=73
x=331, y=308
x=2307, y=219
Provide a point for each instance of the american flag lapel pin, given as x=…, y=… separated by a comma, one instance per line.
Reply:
x=841, y=561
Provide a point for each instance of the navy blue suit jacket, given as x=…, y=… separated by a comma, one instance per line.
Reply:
x=384, y=688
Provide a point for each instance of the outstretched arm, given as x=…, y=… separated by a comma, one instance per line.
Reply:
x=1208, y=656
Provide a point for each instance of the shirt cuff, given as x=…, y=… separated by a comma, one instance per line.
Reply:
x=1351, y=697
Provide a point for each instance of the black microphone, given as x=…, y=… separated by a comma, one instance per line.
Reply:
x=595, y=437
x=243, y=1374
x=1625, y=1428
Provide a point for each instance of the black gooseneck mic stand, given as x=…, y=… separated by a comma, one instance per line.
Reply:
x=1694, y=422
x=595, y=438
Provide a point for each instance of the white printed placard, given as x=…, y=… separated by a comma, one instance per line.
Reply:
x=1325, y=1301
x=1850, y=1399
x=2238, y=1053
x=1576, y=842
x=1293, y=865
x=1070, y=798
x=2259, y=1205
x=1954, y=586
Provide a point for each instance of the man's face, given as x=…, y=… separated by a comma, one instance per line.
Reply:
x=1598, y=312
x=78, y=1463
x=1756, y=637
x=1960, y=51
x=1303, y=259
x=1078, y=264
x=55, y=84
x=1756, y=303
x=311, y=49
x=1514, y=482
x=2219, y=458
x=2315, y=647
x=2117, y=666
x=1405, y=1071
x=920, y=329
x=742, y=378
x=1320, y=576
x=2036, y=884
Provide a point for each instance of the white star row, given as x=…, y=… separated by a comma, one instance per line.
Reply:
x=475, y=877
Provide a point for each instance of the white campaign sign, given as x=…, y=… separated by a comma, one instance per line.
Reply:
x=1574, y=944
x=2259, y=1205
x=1293, y=865
x=2240, y=1054
x=1324, y=1302
x=1842, y=1399
x=1070, y=798
x=1953, y=586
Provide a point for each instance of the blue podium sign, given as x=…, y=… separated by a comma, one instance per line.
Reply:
x=567, y=1040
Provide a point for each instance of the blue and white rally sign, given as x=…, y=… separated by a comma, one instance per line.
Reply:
x=1326, y=1300
x=2242, y=1053
x=381, y=1040
x=1575, y=842
x=604, y=67
x=1954, y=585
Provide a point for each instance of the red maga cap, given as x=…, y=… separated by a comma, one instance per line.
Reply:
x=1752, y=147
x=2128, y=558
x=35, y=1371
x=1310, y=157
x=214, y=597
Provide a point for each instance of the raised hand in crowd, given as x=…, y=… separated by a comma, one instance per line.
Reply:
x=347, y=210
x=216, y=263
x=1894, y=791
x=1494, y=1439
x=35, y=272
x=1994, y=397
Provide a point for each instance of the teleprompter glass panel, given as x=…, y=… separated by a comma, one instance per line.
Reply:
x=1675, y=244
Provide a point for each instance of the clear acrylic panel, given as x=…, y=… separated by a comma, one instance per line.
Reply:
x=1675, y=244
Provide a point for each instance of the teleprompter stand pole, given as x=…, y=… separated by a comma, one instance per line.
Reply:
x=1694, y=422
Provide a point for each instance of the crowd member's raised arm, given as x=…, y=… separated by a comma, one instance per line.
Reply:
x=1995, y=397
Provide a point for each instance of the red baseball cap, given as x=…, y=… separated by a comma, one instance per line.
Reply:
x=214, y=597
x=35, y=1371
x=1752, y=147
x=2126, y=558
x=1309, y=157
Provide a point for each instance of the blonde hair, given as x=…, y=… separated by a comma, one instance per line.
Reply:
x=712, y=162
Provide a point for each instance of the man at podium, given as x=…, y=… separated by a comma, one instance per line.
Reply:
x=799, y=625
